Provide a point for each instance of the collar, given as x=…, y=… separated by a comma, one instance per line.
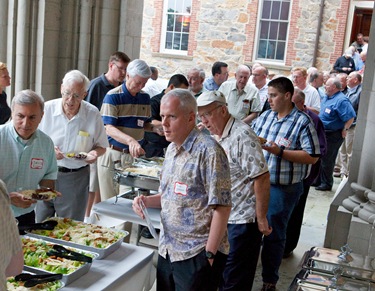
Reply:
x=187, y=145
x=17, y=138
x=227, y=129
x=59, y=110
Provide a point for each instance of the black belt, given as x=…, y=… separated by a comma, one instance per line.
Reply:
x=67, y=170
x=125, y=151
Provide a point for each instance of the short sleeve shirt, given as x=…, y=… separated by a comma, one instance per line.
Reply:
x=293, y=132
x=194, y=179
x=240, y=105
x=246, y=162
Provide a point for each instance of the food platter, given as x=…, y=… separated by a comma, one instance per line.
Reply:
x=17, y=285
x=94, y=238
x=37, y=260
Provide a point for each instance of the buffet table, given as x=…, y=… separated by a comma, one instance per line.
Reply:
x=128, y=268
x=123, y=211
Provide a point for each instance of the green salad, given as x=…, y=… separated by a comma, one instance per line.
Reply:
x=18, y=285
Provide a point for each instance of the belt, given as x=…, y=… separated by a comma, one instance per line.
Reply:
x=67, y=170
x=125, y=151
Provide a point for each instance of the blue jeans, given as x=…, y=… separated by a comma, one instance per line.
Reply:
x=245, y=241
x=282, y=202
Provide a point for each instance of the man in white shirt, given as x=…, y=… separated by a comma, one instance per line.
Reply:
x=312, y=98
x=242, y=98
x=74, y=126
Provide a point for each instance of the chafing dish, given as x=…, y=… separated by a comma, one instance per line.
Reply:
x=327, y=260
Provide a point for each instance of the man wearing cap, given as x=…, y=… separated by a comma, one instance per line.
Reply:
x=250, y=189
x=345, y=63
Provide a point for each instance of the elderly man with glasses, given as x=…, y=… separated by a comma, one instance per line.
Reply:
x=250, y=189
x=75, y=127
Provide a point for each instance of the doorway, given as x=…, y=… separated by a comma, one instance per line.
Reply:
x=361, y=22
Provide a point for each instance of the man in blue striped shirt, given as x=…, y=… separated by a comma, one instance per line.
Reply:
x=292, y=145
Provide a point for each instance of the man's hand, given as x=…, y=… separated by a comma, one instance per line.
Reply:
x=272, y=148
x=135, y=149
x=59, y=154
x=91, y=157
x=263, y=226
x=17, y=199
x=136, y=207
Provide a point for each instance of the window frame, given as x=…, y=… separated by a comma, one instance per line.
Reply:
x=258, y=31
x=163, y=34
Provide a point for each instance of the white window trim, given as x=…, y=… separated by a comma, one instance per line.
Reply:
x=164, y=33
x=257, y=33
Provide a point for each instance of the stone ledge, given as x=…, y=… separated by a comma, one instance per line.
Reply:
x=171, y=56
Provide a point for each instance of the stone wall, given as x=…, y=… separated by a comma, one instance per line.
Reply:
x=225, y=30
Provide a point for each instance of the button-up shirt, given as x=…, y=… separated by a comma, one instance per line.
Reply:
x=194, y=179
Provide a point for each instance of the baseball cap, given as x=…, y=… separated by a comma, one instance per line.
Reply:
x=208, y=97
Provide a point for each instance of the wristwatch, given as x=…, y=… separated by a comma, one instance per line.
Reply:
x=210, y=255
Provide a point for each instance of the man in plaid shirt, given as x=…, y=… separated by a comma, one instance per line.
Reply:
x=292, y=146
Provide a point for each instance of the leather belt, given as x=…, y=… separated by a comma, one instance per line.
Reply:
x=125, y=151
x=67, y=170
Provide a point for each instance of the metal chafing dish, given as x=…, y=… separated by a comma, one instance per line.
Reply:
x=136, y=180
x=309, y=280
x=351, y=265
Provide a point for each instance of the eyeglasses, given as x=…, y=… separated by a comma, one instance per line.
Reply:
x=120, y=68
x=68, y=94
x=208, y=113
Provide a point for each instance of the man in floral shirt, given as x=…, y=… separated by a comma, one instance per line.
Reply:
x=195, y=201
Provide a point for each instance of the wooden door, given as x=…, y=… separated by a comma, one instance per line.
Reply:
x=361, y=22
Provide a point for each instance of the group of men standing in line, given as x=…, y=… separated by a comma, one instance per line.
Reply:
x=220, y=196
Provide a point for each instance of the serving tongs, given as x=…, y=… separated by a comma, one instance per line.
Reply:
x=46, y=225
x=62, y=252
x=32, y=280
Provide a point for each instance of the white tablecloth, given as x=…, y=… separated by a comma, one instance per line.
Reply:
x=123, y=211
x=128, y=268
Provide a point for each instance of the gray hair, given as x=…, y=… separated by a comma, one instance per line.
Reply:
x=76, y=76
x=201, y=72
x=28, y=97
x=188, y=103
x=336, y=82
x=243, y=68
x=139, y=68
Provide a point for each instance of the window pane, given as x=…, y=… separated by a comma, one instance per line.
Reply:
x=266, y=9
x=264, y=28
x=275, y=10
x=170, y=22
x=274, y=29
x=280, y=52
x=184, y=41
x=283, y=28
x=284, y=11
x=271, y=49
x=262, y=49
x=168, y=40
x=171, y=5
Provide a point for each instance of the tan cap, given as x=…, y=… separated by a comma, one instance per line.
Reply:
x=208, y=97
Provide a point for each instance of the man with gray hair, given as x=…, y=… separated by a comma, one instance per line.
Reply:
x=126, y=113
x=337, y=115
x=196, y=78
x=194, y=198
x=77, y=131
x=242, y=98
x=28, y=154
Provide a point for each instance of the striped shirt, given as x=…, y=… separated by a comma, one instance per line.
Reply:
x=292, y=132
x=127, y=113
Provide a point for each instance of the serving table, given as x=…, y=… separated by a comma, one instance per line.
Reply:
x=128, y=268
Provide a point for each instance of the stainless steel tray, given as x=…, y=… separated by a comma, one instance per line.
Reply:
x=309, y=280
x=139, y=181
x=326, y=260
x=32, y=288
x=101, y=252
x=67, y=278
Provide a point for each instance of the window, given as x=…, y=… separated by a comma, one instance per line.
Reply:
x=176, y=26
x=273, y=30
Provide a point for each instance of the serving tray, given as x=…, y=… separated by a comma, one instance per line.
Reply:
x=67, y=278
x=65, y=224
x=18, y=286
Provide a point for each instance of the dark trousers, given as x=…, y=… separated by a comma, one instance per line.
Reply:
x=245, y=241
x=194, y=274
x=334, y=141
x=293, y=230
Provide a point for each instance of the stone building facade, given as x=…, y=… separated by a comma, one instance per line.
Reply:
x=228, y=30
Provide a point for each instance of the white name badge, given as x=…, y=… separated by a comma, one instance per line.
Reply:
x=36, y=163
x=140, y=122
x=180, y=188
x=328, y=111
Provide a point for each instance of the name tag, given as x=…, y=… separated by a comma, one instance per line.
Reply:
x=36, y=163
x=180, y=188
x=246, y=104
x=328, y=111
x=283, y=142
x=140, y=122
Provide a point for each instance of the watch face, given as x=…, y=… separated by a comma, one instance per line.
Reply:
x=210, y=255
